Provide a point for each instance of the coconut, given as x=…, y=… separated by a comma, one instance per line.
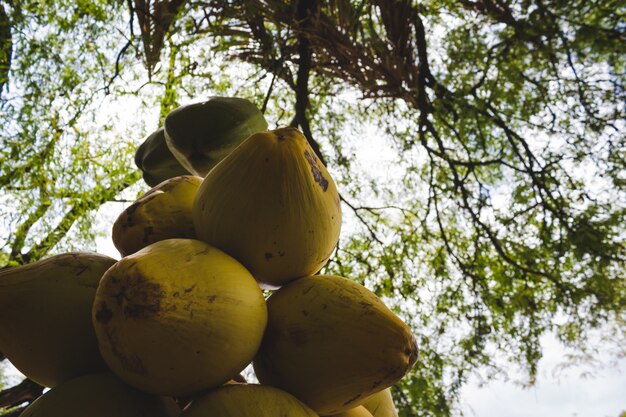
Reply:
x=164, y=212
x=273, y=206
x=332, y=343
x=247, y=400
x=99, y=395
x=178, y=317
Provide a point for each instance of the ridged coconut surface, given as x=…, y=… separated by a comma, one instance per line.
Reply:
x=45, y=316
x=331, y=343
x=178, y=317
x=247, y=400
x=273, y=206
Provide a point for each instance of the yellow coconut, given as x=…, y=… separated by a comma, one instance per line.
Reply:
x=272, y=205
x=45, y=316
x=99, y=395
x=178, y=317
x=239, y=379
x=164, y=212
x=381, y=404
x=247, y=400
x=332, y=343
x=359, y=411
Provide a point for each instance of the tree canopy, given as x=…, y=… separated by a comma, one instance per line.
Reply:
x=497, y=217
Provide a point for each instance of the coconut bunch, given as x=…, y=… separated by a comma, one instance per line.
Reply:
x=219, y=270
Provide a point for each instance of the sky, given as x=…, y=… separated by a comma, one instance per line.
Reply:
x=569, y=394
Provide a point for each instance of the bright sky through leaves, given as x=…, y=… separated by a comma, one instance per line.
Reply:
x=499, y=219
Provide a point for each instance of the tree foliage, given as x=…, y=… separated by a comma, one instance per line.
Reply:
x=497, y=216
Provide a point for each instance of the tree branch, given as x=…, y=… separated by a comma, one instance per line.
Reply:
x=24, y=392
x=15, y=413
x=304, y=11
x=122, y=51
x=361, y=219
x=22, y=231
x=98, y=197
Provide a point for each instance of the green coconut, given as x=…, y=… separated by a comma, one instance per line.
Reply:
x=200, y=135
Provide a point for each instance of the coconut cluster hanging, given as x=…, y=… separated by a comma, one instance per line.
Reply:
x=219, y=270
